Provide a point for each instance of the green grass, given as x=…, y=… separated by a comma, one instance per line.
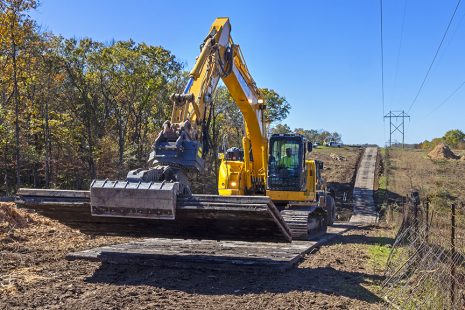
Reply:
x=382, y=183
x=379, y=255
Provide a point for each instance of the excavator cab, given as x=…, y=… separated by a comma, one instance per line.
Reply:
x=286, y=163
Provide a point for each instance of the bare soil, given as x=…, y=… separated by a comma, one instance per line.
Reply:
x=35, y=274
x=340, y=168
x=442, y=151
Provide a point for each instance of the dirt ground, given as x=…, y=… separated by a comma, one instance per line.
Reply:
x=35, y=274
x=339, y=172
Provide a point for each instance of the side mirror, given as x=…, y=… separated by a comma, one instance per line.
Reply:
x=309, y=146
x=220, y=156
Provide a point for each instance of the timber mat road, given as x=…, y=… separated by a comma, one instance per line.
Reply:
x=364, y=206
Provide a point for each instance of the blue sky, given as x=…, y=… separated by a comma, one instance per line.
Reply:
x=323, y=56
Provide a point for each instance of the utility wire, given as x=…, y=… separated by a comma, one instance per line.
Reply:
x=435, y=56
x=400, y=44
x=447, y=98
x=382, y=65
x=382, y=53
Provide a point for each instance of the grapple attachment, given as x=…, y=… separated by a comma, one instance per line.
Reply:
x=149, y=200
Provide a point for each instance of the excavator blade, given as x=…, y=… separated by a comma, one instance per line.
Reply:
x=214, y=217
x=150, y=200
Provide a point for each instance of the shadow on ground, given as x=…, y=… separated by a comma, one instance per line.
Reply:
x=324, y=279
x=369, y=240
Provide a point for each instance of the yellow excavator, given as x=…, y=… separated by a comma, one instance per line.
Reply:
x=268, y=189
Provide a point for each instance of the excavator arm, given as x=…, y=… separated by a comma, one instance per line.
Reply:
x=219, y=59
x=180, y=150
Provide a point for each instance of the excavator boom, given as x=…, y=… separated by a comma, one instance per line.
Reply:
x=152, y=193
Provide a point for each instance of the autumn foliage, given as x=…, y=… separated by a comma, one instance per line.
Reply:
x=74, y=110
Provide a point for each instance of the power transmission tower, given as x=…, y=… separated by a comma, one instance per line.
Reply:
x=396, y=125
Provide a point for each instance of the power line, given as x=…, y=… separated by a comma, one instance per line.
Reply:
x=448, y=98
x=400, y=43
x=382, y=53
x=435, y=56
x=382, y=64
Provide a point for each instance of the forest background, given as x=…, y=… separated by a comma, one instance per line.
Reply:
x=75, y=110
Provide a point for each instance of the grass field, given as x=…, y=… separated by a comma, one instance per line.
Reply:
x=411, y=168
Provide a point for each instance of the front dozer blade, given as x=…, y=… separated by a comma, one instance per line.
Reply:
x=150, y=200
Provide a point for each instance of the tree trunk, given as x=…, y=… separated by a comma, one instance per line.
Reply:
x=5, y=167
x=17, y=103
x=48, y=147
x=92, y=170
x=35, y=175
x=121, y=132
x=91, y=161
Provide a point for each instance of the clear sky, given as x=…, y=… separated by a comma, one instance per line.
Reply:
x=323, y=56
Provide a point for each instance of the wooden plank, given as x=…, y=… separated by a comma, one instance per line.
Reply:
x=229, y=199
x=197, y=253
x=202, y=216
x=208, y=254
x=53, y=193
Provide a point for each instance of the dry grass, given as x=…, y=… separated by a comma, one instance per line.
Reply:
x=10, y=218
x=442, y=181
x=413, y=169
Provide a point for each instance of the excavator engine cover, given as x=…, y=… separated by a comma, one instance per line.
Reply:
x=150, y=200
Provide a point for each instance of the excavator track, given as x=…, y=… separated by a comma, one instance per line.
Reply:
x=305, y=223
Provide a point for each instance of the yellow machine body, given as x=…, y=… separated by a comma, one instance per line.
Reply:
x=313, y=184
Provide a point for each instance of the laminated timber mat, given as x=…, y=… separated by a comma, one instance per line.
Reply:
x=207, y=254
x=199, y=217
x=364, y=206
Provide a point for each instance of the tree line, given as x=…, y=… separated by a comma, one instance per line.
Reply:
x=313, y=135
x=75, y=110
x=454, y=138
